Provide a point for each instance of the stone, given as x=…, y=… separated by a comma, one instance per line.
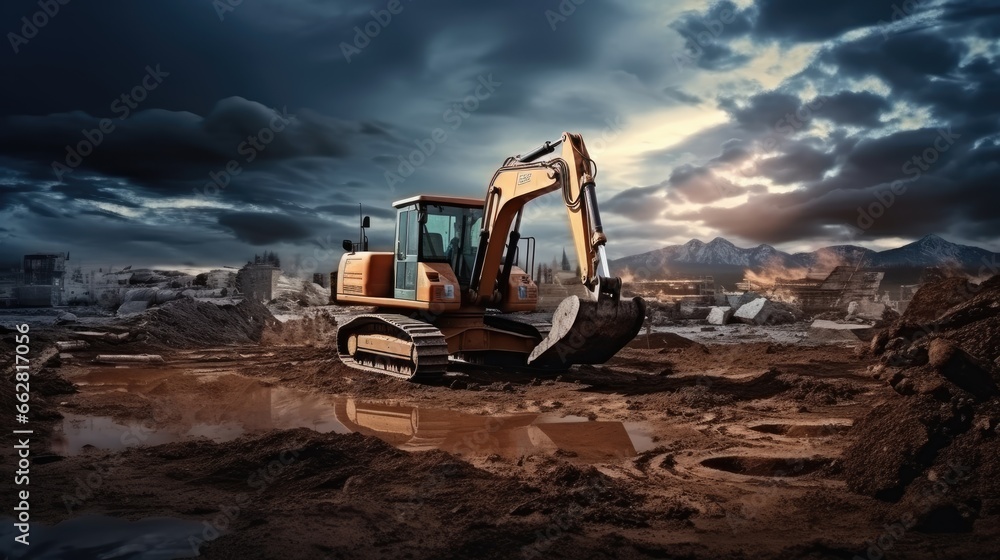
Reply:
x=762, y=312
x=720, y=315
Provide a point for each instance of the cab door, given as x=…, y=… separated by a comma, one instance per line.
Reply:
x=407, y=242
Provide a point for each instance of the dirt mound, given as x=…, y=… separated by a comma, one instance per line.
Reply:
x=422, y=505
x=974, y=324
x=314, y=328
x=965, y=313
x=294, y=292
x=48, y=383
x=44, y=385
x=932, y=448
x=933, y=299
x=665, y=341
x=187, y=323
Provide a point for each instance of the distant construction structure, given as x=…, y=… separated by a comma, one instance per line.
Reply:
x=818, y=293
x=700, y=289
x=258, y=279
x=41, y=282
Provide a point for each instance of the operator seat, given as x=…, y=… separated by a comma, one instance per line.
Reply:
x=433, y=245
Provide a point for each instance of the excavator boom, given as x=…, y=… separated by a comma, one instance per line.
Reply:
x=589, y=331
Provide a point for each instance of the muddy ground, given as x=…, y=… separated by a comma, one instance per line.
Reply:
x=673, y=449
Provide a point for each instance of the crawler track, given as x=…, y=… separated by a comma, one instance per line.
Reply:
x=427, y=359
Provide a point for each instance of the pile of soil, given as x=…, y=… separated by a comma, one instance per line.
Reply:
x=46, y=386
x=44, y=383
x=369, y=495
x=933, y=448
x=932, y=300
x=314, y=329
x=665, y=342
x=293, y=293
x=188, y=323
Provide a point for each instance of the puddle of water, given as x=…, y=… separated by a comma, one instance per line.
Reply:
x=78, y=431
x=98, y=536
x=641, y=436
x=802, y=430
x=222, y=406
x=767, y=466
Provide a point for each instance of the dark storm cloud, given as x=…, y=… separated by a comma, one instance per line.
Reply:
x=354, y=119
x=226, y=76
x=100, y=51
x=258, y=228
x=72, y=188
x=799, y=162
x=638, y=203
x=701, y=145
x=797, y=21
x=904, y=60
x=950, y=195
x=700, y=185
x=155, y=146
x=854, y=108
x=733, y=150
x=841, y=176
x=874, y=161
x=979, y=18
x=923, y=68
x=347, y=209
x=706, y=35
x=763, y=111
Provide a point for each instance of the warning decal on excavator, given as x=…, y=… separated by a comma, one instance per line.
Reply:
x=523, y=178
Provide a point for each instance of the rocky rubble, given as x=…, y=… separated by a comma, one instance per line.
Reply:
x=933, y=447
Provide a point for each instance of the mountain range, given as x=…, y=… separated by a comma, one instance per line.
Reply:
x=930, y=250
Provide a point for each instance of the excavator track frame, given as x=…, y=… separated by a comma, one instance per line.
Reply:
x=428, y=357
x=497, y=359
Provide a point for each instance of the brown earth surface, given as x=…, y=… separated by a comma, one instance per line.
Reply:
x=673, y=449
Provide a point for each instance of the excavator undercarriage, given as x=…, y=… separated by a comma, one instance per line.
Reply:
x=581, y=332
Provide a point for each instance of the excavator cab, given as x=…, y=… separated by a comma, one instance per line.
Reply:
x=433, y=229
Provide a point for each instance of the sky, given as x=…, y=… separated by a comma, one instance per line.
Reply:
x=201, y=132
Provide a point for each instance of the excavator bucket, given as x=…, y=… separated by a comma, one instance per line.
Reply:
x=589, y=332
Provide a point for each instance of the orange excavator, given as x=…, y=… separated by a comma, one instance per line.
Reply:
x=453, y=290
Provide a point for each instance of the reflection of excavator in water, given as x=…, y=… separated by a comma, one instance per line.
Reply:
x=433, y=297
x=418, y=429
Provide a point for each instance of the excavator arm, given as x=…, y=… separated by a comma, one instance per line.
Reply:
x=582, y=331
x=522, y=179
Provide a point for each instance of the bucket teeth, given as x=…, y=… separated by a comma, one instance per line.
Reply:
x=587, y=332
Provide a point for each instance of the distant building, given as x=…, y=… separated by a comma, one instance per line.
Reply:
x=43, y=280
x=44, y=269
x=258, y=281
x=10, y=279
